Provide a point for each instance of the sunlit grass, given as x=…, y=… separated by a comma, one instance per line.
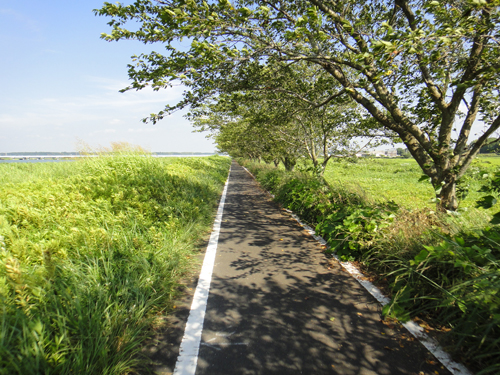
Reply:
x=397, y=180
x=91, y=250
x=31, y=172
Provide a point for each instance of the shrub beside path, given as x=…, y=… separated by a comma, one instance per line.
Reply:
x=278, y=305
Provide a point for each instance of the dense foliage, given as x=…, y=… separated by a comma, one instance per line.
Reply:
x=90, y=251
x=424, y=70
x=282, y=125
x=434, y=266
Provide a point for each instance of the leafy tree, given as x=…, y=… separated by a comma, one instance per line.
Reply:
x=286, y=113
x=403, y=152
x=412, y=65
x=240, y=129
x=492, y=145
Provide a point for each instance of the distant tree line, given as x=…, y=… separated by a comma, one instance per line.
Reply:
x=491, y=147
x=78, y=153
x=403, y=152
x=24, y=153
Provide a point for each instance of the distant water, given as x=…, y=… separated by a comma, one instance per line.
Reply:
x=183, y=156
x=68, y=159
x=34, y=161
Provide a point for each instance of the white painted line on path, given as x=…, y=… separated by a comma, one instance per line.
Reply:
x=190, y=345
x=417, y=331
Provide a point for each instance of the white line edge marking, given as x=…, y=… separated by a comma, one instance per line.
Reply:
x=430, y=344
x=190, y=345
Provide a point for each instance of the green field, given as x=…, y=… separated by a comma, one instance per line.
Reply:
x=397, y=180
x=91, y=251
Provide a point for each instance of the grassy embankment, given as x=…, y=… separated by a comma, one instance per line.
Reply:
x=91, y=251
x=444, y=268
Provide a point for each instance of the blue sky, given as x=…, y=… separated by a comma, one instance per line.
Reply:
x=59, y=84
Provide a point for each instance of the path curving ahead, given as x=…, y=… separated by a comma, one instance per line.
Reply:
x=277, y=305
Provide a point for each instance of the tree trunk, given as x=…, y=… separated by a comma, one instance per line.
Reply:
x=447, y=197
x=289, y=163
x=276, y=162
x=323, y=165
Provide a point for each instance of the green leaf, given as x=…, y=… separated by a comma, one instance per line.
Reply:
x=38, y=327
x=496, y=218
x=386, y=310
x=462, y=306
x=486, y=202
x=460, y=241
x=424, y=177
x=420, y=257
x=445, y=40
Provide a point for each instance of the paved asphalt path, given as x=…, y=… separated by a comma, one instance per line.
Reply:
x=278, y=305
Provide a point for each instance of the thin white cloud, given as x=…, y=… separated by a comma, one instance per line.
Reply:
x=48, y=50
x=103, y=131
x=116, y=85
x=6, y=119
x=39, y=136
x=103, y=116
x=116, y=99
x=26, y=21
x=106, y=83
x=107, y=106
x=143, y=130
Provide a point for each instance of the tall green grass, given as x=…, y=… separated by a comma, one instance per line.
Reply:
x=91, y=251
x=31, y=172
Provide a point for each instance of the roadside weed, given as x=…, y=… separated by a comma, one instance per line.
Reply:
x=91, y=251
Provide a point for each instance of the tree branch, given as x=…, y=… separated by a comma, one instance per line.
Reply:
x=477, y=146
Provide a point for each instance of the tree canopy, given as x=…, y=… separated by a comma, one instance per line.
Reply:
x=292, y=123
x=425, y=70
